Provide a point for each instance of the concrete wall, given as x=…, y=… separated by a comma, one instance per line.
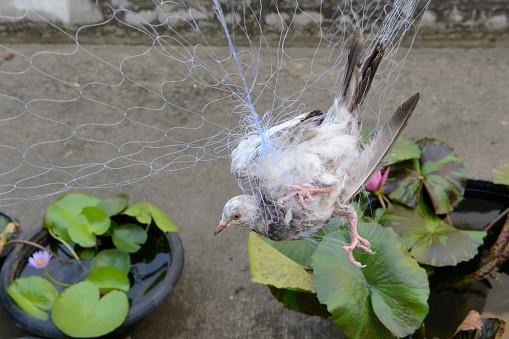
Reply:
x=448, y=21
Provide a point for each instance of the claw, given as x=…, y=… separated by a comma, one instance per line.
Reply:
x=355, y=239
x=304, y=193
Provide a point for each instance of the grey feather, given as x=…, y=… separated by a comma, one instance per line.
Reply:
x=381, y=144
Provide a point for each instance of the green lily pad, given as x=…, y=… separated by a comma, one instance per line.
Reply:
x=108, y=279
x=299, y=251
x=62, y=212
x=78, y=311
x=34, y=295
x=501, y=175
x=129, y=237
x=114, y=205
x=87, y=253
x=388, y=296
x=303, y=302
x=91, y=222
x=403, y=150
x=145, y=212
x=431, y=241
x=114, y=258
x=270, y=267
x=439, y=170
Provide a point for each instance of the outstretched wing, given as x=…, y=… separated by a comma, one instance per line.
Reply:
x=380, y=145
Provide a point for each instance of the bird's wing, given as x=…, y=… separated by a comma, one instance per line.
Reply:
x=299, y=128
x=380, y=145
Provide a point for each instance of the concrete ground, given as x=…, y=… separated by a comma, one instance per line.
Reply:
x=464, y=101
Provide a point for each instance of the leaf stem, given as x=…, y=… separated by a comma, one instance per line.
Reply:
x=67, y=246
x=33, y=244
x=500, y=216
x=53, y=280
x=379, y=196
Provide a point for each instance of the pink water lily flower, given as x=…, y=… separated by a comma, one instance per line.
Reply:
x=378, y=181
x=39, y=259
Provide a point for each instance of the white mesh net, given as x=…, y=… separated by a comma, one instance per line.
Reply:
x=190, y=90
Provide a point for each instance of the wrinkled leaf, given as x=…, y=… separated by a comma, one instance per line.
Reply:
x=7, y=232
x=431, y=241
x=91, y=222
x=270, y=267
x=62, y=212
x=501, y=175
x=404, y=182
x=299, y=251
x=34, y=295
x=129, y=237
x=112, y=257
x=403, y=150
x=388, y=295
x=109, y=278
x=114, y=205
x=145, y=212
x=476, y=327
x=78, y=311
x=439, y=170
x=303, y=302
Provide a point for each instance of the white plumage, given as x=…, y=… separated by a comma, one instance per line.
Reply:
x=314, y=153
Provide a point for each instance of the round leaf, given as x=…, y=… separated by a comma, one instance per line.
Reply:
x=501, y=175
x=109, y=278
x=403, y=150
x=129, y=237
x=445, y=175
x=431, y=241
x=113, y=258
x=145, y=212
x=92, y=221
x=115, y=205
x=404, y=182
x=78, y=311
x=81, y=232
x=303, y=302
x=388, y=296
x=270, y=267
x=98, y=220
x=62, y=212
x=34, y=295
x=299, y=251
x=439, y=170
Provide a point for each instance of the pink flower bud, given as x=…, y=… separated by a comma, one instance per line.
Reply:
x=378, y=181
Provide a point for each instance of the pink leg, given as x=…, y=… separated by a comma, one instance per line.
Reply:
x=355, y=238
x=304, y=192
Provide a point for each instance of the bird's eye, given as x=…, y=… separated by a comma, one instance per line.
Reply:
x=236, y=216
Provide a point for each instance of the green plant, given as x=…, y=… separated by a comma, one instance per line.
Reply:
x=107, y=232
x=411, y=236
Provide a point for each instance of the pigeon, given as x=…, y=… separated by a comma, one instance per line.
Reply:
x=305, y=171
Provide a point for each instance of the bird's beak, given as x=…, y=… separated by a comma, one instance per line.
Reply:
x=222, y=226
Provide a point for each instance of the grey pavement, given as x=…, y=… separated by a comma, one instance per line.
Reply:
x=464, y=101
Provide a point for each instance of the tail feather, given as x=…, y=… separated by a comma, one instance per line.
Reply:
x=380, y=145
x=368, y=73
x=350, y=83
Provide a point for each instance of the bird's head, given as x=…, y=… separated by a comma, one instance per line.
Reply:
x=238, y=211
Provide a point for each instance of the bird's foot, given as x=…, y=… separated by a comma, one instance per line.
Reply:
x=304, y=193
x=355, y=240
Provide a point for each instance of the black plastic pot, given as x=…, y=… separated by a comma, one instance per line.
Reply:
x=141, y=307
x=449, y=306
